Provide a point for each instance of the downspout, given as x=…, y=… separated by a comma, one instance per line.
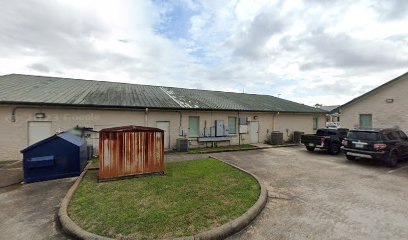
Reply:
x=14, y=111
x=239, y=131
x=273, y=122
x=181, y=132
x=146, y=113
x=13, y=114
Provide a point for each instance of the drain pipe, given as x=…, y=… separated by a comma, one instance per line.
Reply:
x=14, y=111
x=181, y=131
x=146, y=113
x=239, y=131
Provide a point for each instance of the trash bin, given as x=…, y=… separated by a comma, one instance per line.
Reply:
x=296, y=136
x=59, y=156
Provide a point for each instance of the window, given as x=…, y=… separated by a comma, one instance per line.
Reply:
x=193, y=126
x=232, y=125
x=364, y=136
x=366, y=121
x=342, y=131
x=390, y=135
x=315, y=123
x=402, y=135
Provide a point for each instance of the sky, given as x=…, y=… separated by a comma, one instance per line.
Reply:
x=310, y=51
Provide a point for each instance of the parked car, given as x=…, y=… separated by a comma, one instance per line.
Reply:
x=387, y=145
x=325, y=138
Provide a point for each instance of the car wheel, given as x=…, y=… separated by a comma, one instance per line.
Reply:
x=334, y=149
x=351, y=158
x=310, y=149
x=392, y=159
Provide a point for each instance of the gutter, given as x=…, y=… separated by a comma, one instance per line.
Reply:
x=143, y=108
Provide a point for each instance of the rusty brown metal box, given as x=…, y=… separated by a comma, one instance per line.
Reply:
x=130, y=151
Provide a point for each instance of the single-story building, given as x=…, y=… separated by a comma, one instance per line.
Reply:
x=384, y=106
x=332, y=118
x=35, y=107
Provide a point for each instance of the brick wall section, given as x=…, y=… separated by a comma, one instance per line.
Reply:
x=383, y=114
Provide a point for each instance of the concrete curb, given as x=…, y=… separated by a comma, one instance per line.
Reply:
x=70, y=228
x=247, y=149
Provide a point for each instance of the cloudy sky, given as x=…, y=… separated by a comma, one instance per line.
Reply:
x=310, y=51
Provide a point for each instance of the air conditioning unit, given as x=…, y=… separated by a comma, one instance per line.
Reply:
x=219, y=128
x=276, y=138
x=182, y=145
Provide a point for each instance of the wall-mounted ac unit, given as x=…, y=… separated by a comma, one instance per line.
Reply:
x=219, y=128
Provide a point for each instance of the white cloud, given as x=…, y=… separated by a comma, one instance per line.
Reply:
x=308, y=51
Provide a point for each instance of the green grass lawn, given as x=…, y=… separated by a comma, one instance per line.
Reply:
x=192, y=196
x=216, y=149
x=94, y=162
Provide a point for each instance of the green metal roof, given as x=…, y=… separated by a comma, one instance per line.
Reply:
x=403, y=77
x=27, y=89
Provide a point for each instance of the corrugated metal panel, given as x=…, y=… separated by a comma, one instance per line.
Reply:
x=130, y=150
x=16, y=88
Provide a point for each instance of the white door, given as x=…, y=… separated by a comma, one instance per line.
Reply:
x=166, y=127
x=253, y=132
x=38, y=131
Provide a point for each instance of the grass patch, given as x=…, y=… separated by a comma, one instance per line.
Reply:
x=192, y=196
x=94, y=162
x=223, y=148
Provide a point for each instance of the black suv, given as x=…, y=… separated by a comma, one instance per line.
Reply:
x=387, y=145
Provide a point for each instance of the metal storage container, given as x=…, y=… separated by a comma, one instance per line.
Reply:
x=130, y=150
x=296, y=136
x=59, y=156
x=276, y=138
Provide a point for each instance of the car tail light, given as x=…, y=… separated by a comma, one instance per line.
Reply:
x=322, y=140
x=344, y=143
x=380, y=146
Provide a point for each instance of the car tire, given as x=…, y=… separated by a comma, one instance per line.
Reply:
x=351, y=158
x=334, y=149
x=310, y=149
x=392, y=160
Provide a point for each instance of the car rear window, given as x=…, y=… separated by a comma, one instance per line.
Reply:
x=391, y=135
x=361, y=135
x=325, y=132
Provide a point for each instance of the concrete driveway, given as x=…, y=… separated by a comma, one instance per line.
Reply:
x=313, y=195
x=29, y=211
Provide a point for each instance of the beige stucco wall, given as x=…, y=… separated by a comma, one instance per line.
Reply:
x=14, y=135
x=288, y=123
x=383, y=114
